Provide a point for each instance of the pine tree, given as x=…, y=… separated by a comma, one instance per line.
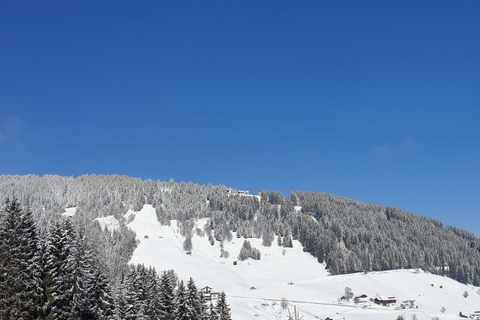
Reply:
x=64, y=287
x=194, y=305
x=223, y=309
x=213, y=313
x=152, y=294
x=104, y=306
x=134, y=294
x=167, y=296
x=181, y=306
x=22, y=293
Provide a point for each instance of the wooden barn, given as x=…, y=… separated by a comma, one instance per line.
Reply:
x=388, y=302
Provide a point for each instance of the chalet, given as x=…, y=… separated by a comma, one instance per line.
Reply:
x=362, y=298
x=238, y=193
x=389, y=302
x=206, y=290
x=209, y=294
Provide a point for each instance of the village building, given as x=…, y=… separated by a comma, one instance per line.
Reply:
x=475, y=315
x=388, y=302
x=360, y=299
x=206, y=290
x=209, y=295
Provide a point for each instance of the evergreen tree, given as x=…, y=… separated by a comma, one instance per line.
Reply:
x=182, y=311
x=167, y=297
x=135, y=302
x=22, y=293
x=152, y=294
x=194, y=305
x=64, y=287
x=223, y=310
x=104, y=306
x=213, y=313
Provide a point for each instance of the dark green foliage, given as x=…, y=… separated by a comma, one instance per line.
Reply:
x=21, y=289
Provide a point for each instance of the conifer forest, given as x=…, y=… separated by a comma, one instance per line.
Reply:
x=57, y=267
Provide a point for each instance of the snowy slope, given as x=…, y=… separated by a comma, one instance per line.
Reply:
x=255, y=288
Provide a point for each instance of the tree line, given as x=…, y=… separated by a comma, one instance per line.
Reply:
x=346, y=235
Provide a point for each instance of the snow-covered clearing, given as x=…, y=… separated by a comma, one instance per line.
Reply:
x=69, y=212
x=109, y=223
x=255, y=288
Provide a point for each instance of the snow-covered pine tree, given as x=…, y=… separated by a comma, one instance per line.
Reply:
x=22, y=293
x=84, y=289
x=64, y=288
x=120, y=290
x=194, y=305
x=104, y=306
x=151, y=286
x=134, y=294
x=223, y=310
x=167, y=297
x=181, y=305
x=212, y=315
x=203, y=306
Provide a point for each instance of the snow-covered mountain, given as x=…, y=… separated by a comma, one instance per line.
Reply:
x=255, y=288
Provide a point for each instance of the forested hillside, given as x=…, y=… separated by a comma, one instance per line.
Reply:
x=347, y=235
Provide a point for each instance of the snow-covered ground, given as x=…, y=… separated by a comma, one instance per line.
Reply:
x=69, y=212
x=108, y=222
x=255, y=288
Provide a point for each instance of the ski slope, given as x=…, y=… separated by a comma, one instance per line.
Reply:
x=255, y=288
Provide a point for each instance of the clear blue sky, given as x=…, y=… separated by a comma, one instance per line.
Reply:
x=377, y=101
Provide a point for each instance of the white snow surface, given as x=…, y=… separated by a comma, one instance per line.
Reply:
x=255, y=288
x=69, y=212
x=109, y=222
